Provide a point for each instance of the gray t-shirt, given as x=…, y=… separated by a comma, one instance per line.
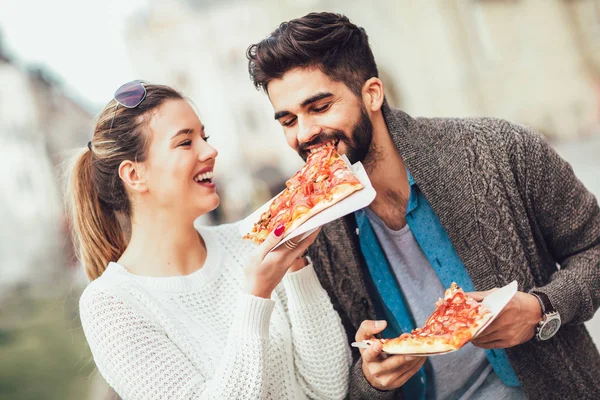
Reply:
x=475, y=378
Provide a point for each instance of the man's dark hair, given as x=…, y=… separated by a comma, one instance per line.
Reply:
x=327, y=41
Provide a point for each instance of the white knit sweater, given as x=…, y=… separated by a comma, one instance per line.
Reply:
x=201, y=337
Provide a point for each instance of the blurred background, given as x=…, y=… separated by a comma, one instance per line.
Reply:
x=536, y=62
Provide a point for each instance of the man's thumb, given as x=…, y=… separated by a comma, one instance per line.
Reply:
x=369, y=328
x=479, y=296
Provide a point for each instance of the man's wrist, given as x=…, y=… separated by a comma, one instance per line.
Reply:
x=550, y=322
x=537, y=311
x=366, y=385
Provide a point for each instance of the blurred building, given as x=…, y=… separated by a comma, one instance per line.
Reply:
x=534, y=62
x=37, y=120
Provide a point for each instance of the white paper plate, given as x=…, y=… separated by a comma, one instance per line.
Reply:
x=495, y=302
x=356, y=201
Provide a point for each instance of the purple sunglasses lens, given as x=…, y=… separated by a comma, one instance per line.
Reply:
x=131, y=94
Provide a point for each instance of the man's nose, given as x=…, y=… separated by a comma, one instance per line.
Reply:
x=307, y=130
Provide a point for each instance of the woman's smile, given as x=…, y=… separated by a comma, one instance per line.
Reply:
x=205, y=178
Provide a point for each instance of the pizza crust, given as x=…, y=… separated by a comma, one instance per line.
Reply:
x=415, y=346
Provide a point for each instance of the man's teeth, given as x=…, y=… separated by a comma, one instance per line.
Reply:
x=204, y=177
x=315, y=149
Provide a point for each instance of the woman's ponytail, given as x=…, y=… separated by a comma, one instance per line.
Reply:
x=98, y=236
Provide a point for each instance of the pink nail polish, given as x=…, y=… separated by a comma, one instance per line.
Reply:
x=279, y=229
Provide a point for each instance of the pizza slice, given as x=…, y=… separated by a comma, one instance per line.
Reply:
x=323, y=181
x=456, y=319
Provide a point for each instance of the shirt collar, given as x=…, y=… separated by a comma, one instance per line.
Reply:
x=411, y=180
x=413, y=200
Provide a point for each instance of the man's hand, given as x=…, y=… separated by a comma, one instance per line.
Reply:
x=515, y=324
x=384, y=372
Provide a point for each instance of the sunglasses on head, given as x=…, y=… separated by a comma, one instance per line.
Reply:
x=129, y=95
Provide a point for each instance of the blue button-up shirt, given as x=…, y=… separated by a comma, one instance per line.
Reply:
x=389, y=301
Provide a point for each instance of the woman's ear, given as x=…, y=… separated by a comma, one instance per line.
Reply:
x=373, y=94
x=131, y=173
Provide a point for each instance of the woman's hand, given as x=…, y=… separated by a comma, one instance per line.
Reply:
x=265, y=268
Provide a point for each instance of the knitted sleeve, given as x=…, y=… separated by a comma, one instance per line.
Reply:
x=321, y=352
x=137, y=358
x=568, y=217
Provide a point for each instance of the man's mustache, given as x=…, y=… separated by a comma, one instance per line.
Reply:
x=321, y=138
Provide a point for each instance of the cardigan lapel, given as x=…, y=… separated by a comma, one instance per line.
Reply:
x=445, y=178
x=347, y=272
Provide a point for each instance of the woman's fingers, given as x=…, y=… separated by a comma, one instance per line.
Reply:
x=298, y=248
x=266, y=268
x=271, y=241
x=306, y=242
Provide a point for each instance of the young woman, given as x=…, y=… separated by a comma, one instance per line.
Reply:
x=176, y=311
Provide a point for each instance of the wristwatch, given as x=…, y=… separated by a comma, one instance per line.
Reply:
x=550, y=322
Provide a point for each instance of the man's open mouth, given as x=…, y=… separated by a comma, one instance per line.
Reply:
x=324, y=145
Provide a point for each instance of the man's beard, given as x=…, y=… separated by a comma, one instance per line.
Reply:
x=358, y=144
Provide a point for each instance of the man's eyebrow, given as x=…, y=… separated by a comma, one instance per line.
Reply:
x=281, y=114
x=315, y=98
x=312, y=99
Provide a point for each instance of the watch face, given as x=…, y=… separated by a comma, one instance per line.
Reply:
x=549, y=329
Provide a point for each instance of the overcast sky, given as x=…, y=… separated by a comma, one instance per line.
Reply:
x=80, y=40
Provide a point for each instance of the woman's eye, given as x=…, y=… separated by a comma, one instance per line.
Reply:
x=205, y=138
x=185, y=143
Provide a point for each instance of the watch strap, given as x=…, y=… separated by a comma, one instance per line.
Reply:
x=544, y=300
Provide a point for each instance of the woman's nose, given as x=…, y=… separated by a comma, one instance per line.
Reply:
x=207, y=152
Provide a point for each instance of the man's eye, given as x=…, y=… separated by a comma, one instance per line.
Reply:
x=185, y=143
x=322, y=108
x=289, y=122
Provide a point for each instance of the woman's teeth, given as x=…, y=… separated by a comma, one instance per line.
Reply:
x=207, y=176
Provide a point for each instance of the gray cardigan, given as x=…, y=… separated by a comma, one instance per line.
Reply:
x=513, y=210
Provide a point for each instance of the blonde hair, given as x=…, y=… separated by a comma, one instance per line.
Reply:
x=95, y=194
